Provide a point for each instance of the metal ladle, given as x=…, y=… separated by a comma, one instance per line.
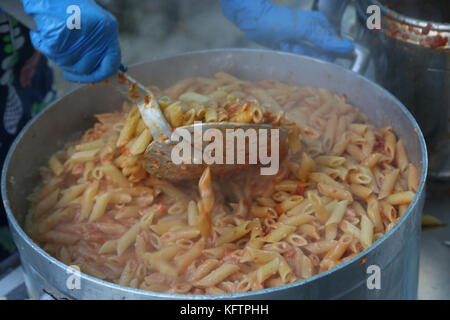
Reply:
x=157, y=156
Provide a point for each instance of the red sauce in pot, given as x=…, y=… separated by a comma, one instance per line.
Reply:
x=434, y=42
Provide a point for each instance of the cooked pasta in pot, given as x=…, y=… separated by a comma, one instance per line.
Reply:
x=344, y=184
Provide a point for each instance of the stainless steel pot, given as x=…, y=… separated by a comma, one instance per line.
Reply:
x=396, y=254
x=412, y=60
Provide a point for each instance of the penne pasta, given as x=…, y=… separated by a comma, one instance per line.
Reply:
x=342, y=184
x=400, y=198
x=388, y=183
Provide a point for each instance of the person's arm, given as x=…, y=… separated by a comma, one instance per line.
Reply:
x=298, y=31
x=88, y=54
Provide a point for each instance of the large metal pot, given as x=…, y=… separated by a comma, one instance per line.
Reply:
x=411, y=55
x=396, y=254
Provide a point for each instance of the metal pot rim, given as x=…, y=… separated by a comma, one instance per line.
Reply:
x=404, y=19
x=14, y=224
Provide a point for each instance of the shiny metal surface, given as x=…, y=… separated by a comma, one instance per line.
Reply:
x=417, y=74
x=434, y=271
x=396, y=254
x=361, y=60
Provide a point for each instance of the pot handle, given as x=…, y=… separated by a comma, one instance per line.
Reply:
x=334, y=11
x=361, y=59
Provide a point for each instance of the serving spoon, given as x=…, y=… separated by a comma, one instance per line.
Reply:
x=157, y=158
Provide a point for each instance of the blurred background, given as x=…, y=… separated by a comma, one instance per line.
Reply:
x=157, y=28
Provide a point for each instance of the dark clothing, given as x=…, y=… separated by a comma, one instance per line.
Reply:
x=25, y=87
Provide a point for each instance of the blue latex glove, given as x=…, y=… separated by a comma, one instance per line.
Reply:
x=286, y=29
x=88, y=54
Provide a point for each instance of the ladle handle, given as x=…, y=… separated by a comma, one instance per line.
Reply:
x=145, y=101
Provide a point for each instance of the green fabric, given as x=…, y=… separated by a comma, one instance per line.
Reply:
x=37, y=107
x=14, y=60
x=8, y=48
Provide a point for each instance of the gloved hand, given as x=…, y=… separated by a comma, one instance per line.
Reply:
x=88, y=54
x=286, y=29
